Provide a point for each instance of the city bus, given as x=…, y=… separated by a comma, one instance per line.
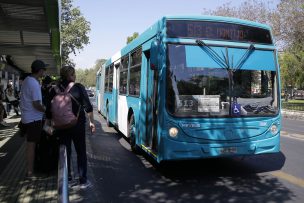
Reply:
x=193, y=87
x=99, y=86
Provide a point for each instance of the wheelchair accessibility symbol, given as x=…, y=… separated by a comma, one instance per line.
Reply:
x=236, y=109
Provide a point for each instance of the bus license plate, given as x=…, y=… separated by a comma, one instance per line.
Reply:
x=228, y=150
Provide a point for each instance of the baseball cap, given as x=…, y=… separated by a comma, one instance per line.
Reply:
x=37, y=65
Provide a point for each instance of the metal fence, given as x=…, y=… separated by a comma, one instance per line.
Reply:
x=293, y=106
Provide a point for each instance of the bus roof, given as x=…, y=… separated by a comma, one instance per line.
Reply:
x=159, y=25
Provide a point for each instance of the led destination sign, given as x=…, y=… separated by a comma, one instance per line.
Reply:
x=217, y=31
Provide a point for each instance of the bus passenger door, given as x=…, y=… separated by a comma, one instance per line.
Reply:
x=115, y=91
x=151, y=106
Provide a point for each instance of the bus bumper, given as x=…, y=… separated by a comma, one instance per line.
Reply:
x=176, y=150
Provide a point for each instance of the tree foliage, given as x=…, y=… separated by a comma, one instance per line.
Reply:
x=74, y=30
x=292, y=69
x=87, y=77
x=287, y=22
x=254, y=10
x=131, y=38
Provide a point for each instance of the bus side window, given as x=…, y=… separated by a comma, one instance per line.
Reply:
x=135, y=72
x=110, y=78
x=123, y=76
x=106, y=79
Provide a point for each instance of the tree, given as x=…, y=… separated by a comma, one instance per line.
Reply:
x=288, y=72
x=87, y=77
x=254, y=10
x=289, y=23
x=292, y=68
x=74, y=31
x=131, y=38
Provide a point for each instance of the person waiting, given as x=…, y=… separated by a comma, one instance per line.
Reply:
x=2, y=109
x=11, y=99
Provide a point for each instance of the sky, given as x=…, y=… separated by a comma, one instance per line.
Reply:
x=112, y=21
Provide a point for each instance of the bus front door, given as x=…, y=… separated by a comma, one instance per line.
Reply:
x=151, y=107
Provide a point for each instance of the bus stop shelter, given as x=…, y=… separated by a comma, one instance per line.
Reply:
x=29, y=30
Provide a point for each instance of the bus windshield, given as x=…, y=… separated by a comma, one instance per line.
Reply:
x=201, y=89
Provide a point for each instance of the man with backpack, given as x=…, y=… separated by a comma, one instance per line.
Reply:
x=68, y=102
x=32, y=111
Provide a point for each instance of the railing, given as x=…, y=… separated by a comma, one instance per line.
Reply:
x=293, y=106
x=63, y=189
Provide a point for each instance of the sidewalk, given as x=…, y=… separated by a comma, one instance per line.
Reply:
x=296, y=115
x=14, y=186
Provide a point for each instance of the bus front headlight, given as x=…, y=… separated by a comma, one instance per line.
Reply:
x=173, y=132
x=274, y=129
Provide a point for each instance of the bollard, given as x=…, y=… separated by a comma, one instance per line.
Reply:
x=63, y=189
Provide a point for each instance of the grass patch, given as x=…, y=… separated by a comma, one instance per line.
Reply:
x=294, y=101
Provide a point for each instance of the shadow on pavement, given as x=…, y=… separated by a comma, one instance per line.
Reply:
x=121, y=176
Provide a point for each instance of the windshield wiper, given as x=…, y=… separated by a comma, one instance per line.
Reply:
x=224, y=61
x=217, y=58
x=244, y=57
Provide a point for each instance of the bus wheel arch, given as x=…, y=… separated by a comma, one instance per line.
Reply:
x=132, y=131
x=107, y=115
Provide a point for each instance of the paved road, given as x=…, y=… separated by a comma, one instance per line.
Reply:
x=293, y=126
x=121, y=176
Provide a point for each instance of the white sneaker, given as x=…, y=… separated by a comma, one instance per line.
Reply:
x=85, y=185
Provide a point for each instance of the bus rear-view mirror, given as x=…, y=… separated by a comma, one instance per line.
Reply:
x=154, y=52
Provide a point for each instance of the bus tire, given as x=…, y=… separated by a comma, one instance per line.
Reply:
x=132, y=135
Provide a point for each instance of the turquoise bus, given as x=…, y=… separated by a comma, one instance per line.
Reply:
x=193, y=87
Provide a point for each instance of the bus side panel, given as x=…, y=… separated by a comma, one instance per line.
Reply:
x=124, y=104
x=97, y=91
x=122, y=114
x=101, y=91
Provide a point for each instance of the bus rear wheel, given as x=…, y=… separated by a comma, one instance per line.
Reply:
x=132, y=135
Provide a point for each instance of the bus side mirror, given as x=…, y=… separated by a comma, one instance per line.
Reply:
x=154, y=52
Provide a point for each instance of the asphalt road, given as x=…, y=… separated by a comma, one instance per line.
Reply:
x=293, y=126
x=118, y=175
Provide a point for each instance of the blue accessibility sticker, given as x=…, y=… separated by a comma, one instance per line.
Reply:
x=236, y=109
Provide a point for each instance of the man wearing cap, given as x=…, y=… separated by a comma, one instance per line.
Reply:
x=32, y=110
